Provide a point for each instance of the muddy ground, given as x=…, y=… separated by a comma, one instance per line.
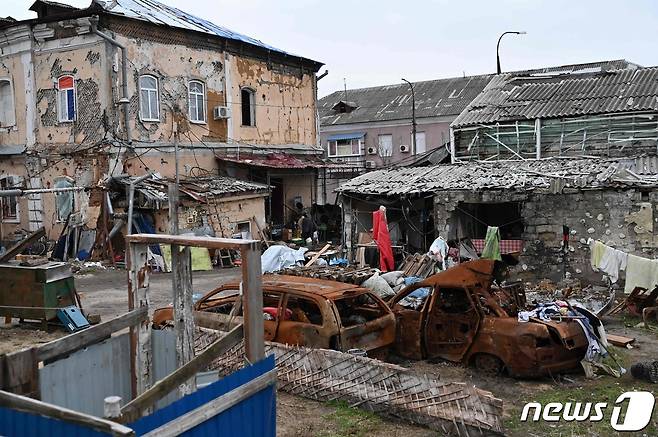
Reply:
x=104, y=292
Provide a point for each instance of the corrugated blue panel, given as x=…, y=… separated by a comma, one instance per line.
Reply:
x=255, y=416
x=18, y=424
x=350, y=136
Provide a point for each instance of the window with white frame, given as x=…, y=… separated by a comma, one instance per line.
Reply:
x=10, y=204
x=248, y=106
x=149, y=100
x=64, y=199
x=197, y=101
x=7, y=112
x=345, y=147
x=385, y=145
x=66, y=98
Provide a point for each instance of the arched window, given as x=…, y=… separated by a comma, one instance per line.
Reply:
x=7, y=114
x=149, y=103
x=66, y=98
x=197, y=101
x=248, y=103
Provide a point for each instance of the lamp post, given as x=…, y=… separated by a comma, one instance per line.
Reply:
x=498, y=47
x=413, y=116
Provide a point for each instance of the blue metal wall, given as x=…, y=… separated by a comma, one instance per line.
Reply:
x=18, y=424
x=255, y=416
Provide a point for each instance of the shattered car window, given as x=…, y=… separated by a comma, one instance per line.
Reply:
x=359, y=309
x=304, y=310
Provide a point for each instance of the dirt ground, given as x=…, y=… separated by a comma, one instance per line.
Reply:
x=104, y=292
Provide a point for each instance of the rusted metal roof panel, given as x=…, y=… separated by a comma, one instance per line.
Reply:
x=551, y=174
x=515, y=96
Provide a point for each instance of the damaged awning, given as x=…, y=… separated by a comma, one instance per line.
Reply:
x=350, y=136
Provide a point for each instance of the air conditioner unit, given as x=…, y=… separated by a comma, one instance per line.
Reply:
x=404, y=148
x=221, y=112
x=370, y=164
x=372, y=150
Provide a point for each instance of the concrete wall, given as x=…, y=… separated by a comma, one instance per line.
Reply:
x=623, y=219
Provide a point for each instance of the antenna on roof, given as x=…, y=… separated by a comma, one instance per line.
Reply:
x=345, y=88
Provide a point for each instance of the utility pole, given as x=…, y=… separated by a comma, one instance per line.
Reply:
x=498, y=71
x=413, y=117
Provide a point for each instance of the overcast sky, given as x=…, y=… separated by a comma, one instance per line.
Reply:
x=377, y=42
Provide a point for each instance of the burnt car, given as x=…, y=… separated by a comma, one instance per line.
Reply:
x=307, y=312
x=464, y=317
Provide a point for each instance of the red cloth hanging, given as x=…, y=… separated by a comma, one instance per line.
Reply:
x=383, y=239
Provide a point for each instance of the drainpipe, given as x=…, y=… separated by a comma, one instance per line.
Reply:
x=124, y=101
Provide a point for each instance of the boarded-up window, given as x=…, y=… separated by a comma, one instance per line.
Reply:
x=7, y=113
x=66, y=98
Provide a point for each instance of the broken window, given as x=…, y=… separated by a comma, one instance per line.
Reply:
x=359, y=309
x=7, y=114
x=197, y=101
x=66, y=98
x=247, y=98
x=348, y=147
x=10, y=207
x=64, y=200
x=453, y=301
x=303, y=310
x=149, y=103
x=474, y=218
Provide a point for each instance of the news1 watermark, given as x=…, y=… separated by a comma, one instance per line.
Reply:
x=632, y=411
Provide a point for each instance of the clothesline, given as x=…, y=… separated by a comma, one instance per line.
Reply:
x=640, y=272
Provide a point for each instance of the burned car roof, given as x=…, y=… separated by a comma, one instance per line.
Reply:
x=471, y=273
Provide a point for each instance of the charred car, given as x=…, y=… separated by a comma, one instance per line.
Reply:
x=307, y=312
x=460, y=315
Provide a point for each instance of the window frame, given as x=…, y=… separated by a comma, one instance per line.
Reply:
x=12, y=98
x=338, y=155
x=202, y=94
x=71, y=183
x=61, y=117
x=380, y=147
x=252, y=106
x=12, y=181
x=156, y=92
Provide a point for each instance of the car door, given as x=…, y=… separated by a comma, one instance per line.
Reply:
x=303, y=323
x=451, y=323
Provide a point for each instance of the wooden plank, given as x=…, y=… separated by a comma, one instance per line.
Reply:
x=80, y=339
x=262, y=234
x=215, y=407
x=140, y=335
x=132, y=410
x=18, y=247
x=317, y=255
x=181, y=266
x=252, y=298
x=619, y=340
x=208, y=242
x=20, y=373
x=32, y=406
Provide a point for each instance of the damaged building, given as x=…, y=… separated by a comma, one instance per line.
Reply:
x=114, y=89
x=550, y=159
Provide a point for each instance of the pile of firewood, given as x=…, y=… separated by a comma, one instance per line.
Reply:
x=350, y=275
x=420, y=266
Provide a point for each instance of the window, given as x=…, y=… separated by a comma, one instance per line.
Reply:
x=303, y=310
x=7, y=114
x=149, y=104
x=64, y=200
x=248, y=107
x=349, y=147
x=385, y=145
x=10, y=207
x=66, y=98
x=197, y=101
x=420, y=143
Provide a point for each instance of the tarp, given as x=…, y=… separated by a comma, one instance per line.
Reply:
x=276, y=258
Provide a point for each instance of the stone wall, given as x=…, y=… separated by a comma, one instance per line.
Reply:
x=620, y=218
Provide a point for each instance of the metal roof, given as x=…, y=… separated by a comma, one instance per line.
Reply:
x=277, y=160
x=513, y=96
x=543, y=175
x=434, y=98
x=161, y=14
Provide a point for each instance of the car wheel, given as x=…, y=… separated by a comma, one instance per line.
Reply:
x=488, y=364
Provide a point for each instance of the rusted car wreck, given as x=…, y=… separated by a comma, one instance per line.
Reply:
x=465, y=318
x=307, y=312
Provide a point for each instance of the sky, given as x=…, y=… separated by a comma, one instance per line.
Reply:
x=378, y=42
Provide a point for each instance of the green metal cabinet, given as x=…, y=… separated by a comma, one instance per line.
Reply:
x=35, y=288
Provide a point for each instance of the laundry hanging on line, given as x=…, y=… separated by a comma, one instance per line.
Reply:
x=640, y=272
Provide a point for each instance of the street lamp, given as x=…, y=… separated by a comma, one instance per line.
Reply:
x=498, y=46
x=413, y=116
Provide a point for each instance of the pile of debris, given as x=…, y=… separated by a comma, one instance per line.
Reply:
x=349, y=274
x=598, y=299
x=420, y=266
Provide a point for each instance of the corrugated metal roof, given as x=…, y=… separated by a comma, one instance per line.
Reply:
x=510, y=97
x=519, y=175
x=161, y=14
x=434, y=98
